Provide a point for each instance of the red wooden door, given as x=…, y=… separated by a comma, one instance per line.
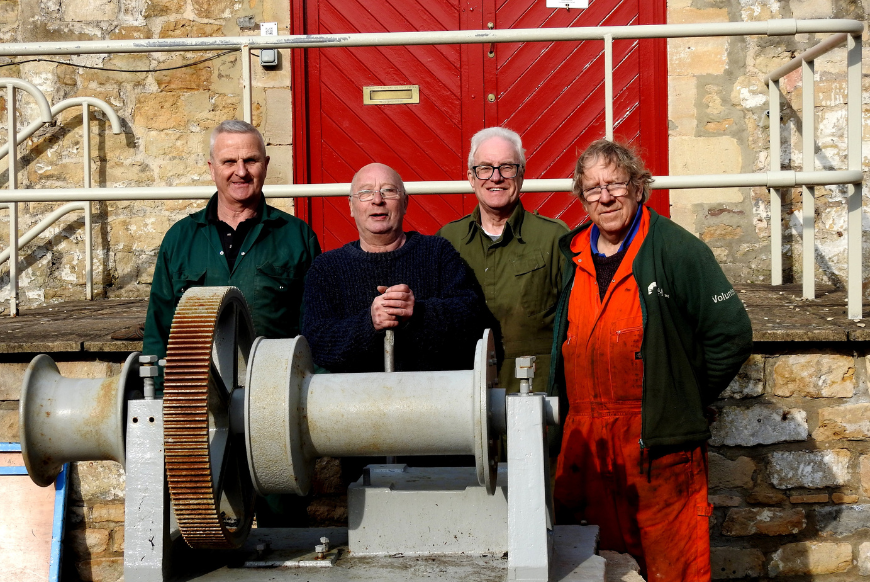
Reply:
x=551, y=93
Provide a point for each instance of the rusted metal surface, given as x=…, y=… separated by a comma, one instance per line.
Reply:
x=208, y=484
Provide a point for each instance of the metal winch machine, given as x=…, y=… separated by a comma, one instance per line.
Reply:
x=242, y=416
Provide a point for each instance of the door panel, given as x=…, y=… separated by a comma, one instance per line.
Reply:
x=420, y=141
x=551, y=93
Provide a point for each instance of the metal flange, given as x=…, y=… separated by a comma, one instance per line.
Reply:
x=274, y=416
x=485, y=437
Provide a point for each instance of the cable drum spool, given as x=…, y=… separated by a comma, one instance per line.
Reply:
x=72, y=419
x=370, y=414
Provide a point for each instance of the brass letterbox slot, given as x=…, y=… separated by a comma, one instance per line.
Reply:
x=391, y=94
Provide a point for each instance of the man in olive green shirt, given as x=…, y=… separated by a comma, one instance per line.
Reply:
x=514, y=254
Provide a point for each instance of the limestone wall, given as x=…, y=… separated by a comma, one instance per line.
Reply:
x=790, y=467
x=718, y=123
x=166, y=116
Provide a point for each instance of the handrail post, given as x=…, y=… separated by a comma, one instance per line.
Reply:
x=608, y=85
x=13, y=207
x=247, y=83
x=775, y=193
x=89, y=238
x=808, y=129
x=853, y=114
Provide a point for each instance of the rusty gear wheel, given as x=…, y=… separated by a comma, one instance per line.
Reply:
x=206, y=466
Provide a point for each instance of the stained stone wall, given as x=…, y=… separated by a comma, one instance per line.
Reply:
x=790, y=467
x=166, y=118
x=718, y=120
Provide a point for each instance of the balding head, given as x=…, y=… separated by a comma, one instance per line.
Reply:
x=378, y=219
x=366, y=171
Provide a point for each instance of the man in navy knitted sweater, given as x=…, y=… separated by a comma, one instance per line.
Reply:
x=416, y=285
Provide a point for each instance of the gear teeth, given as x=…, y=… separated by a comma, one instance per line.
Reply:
x=185, y=410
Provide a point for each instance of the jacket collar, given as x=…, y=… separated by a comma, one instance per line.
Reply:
x=566, y=239
x=267, y=213
x=514, y=224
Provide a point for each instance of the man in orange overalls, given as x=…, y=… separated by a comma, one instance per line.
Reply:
x=649, y=332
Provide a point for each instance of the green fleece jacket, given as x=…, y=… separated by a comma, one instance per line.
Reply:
x=696, y=333
x=269, y=270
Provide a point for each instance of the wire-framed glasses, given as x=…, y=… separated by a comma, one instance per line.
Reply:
x=616, y=189
x=386, y=194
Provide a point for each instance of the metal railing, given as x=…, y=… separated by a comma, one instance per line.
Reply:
x=775, y=179
x=47, y=114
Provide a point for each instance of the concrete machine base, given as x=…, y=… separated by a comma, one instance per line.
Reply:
x=574, y=560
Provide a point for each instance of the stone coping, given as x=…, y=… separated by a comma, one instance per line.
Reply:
x=778, y=314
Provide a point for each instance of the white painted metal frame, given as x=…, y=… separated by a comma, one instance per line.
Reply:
x=849, y=30
x=19, y=137
x=805, y=62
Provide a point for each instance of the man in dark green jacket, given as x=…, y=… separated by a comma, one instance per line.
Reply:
x=514, y=254
x=236, y=240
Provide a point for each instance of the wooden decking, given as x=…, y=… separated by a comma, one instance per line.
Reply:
x=777, y=313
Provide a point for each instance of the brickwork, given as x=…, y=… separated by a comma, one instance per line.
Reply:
x=789, y=465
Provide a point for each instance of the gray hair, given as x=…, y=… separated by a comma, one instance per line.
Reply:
x=623, y=157
x=504, y=133
x=235, y=126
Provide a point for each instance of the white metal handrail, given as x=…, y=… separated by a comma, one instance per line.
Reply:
x=780, y=179
x=850, y=32
x=17, y=138
x=46, y=222
x=854, y=270
x=45, y=116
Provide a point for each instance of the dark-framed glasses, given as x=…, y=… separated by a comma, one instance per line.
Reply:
x=616, y=189
x=386, y=194
x=505, y=170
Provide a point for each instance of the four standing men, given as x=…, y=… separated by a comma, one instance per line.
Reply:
x=648, y=329
x=514, y=254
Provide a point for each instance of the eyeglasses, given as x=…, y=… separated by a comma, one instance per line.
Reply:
x=616, y=189
x=507, y=171
x=386, y=194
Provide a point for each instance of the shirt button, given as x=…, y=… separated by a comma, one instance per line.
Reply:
x=222, y=253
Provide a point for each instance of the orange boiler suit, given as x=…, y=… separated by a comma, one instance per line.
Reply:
x=650, y=503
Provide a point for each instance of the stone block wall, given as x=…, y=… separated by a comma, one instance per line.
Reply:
x=790, y=467
x=166, y=117
x=717, y=118
x=718, y=123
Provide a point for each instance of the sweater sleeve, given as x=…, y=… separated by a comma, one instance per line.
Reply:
x=340, y=332
x=450, y=322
